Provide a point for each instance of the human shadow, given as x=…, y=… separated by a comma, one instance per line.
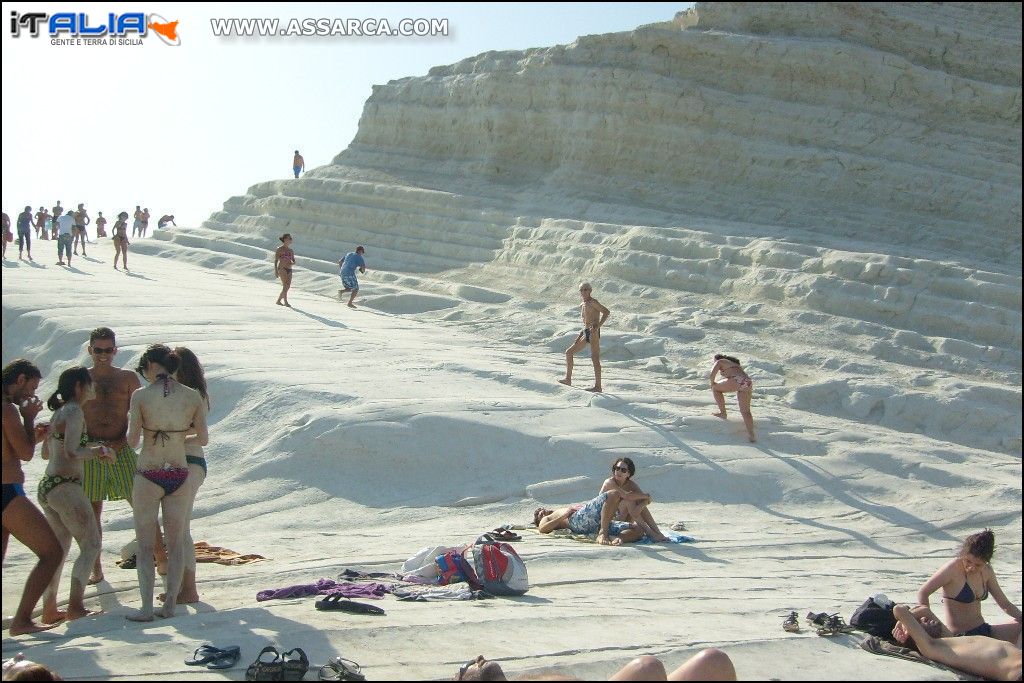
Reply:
x=320, y=319
x=836, y=488
x=140, y=276
x=90, y=259
x=820, y=479
x=76, y=271
x=35, y=265
x=159, y=641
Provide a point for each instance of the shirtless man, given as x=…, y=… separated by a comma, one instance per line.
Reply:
x=138, y=220
x=594, y=516
x=979, y=655
x=164, y=220
x=20, y=517
x=106, y=420
x=81, y=220
x=101, y=225
x=58, y=210
x=633, y=502
x=144, y=223
x=298, y=164
x=41, y=215
x=594, y=315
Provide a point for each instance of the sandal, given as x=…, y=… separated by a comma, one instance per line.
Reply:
x=294, y=669
x=206, y=653
x=340, y=603
x=504, y=534
x=833, y=625
x=339, y=669
x=791, y=624
x=265, y=671
x=817, y=618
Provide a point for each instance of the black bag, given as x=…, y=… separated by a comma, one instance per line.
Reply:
x=874, y=619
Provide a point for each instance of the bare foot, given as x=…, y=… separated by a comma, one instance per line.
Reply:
x=161, y=567
x=752, y=438
x=188, y=598
x=602, y=538
x=720, y=415
x=351, y=305
x=95, y=578
x=287, y=304
x=54, y=617
x=139, y=616
x=595, y=389
x=165, y=612
x=280, y=304
x=29, y=627
x=75, y=614
x=566, y=382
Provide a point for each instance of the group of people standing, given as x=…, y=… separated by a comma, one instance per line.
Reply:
x=69, y=230
x=101, y=415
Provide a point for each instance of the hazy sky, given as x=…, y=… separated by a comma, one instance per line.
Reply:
x=181, y=129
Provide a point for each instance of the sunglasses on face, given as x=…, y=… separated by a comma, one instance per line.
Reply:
x=102, y=351
x=620, y=468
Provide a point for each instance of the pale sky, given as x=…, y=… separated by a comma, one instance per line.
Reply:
x=181, y=129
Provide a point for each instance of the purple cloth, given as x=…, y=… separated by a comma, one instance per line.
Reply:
x=325, y=587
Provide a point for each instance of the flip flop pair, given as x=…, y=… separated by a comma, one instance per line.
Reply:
x=215, y=657
x=339, y=603
x=502, y=534
x=340, y=669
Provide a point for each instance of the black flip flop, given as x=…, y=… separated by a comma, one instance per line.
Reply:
x=339, y=603
x=226, y=659
x=206, y=653
x=340, y=669
x=294, y=668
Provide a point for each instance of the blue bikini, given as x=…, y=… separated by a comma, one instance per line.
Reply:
x=967, y=596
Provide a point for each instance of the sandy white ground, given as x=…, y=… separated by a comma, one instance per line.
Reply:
x=344, y=438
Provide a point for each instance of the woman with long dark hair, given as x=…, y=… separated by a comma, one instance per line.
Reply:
x=161, y=415
x=61, y=495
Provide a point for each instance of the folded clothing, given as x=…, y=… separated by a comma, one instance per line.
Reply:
x=325, y=587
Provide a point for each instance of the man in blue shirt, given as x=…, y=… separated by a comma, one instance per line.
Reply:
x=348, y=265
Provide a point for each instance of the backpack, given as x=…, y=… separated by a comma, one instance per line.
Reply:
x=875, y=619
x=452, y=567
x=496, y=568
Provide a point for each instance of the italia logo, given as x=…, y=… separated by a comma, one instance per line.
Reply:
x=79, y=25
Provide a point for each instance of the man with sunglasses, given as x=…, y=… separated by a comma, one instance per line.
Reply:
x=106, y=420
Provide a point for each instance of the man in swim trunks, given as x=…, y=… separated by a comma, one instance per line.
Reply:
x=106, y=420
x=21, y=518
x=592, y=517
x=101, y=225
x=348, y=265
x=138, y=220
x=78, y=233
x=164, y=220
x=990, y=658
x=298, y=164
x=594, y=315
x=144, y=223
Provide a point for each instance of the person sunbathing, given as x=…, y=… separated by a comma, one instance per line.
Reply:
x=633, y=503
x=965, y=581
x=706, y=665
x=979, y=655
x=592, y=517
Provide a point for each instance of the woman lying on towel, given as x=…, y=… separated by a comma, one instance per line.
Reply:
x=592, y=517
x=966, y=581
x=978, y=655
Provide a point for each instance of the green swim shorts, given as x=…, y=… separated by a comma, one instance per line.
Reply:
x=110, y=481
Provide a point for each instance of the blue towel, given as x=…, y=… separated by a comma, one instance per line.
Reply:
x=672, y=538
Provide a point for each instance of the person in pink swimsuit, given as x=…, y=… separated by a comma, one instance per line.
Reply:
x=733, y=379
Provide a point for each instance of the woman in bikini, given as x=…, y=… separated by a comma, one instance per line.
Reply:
x=190, y=373
x=632, y=501
x=967, y=580
x=61, y=495
x=284, y=260
x=164, y=416
x=121, y=239
x=733, y=379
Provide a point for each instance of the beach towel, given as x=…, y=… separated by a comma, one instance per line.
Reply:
x=325, y=587
x=212, y=553
x=672, y=537
x=438, y=593
x=877, y=646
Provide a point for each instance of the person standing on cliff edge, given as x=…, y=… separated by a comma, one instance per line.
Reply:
x=298, y=164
